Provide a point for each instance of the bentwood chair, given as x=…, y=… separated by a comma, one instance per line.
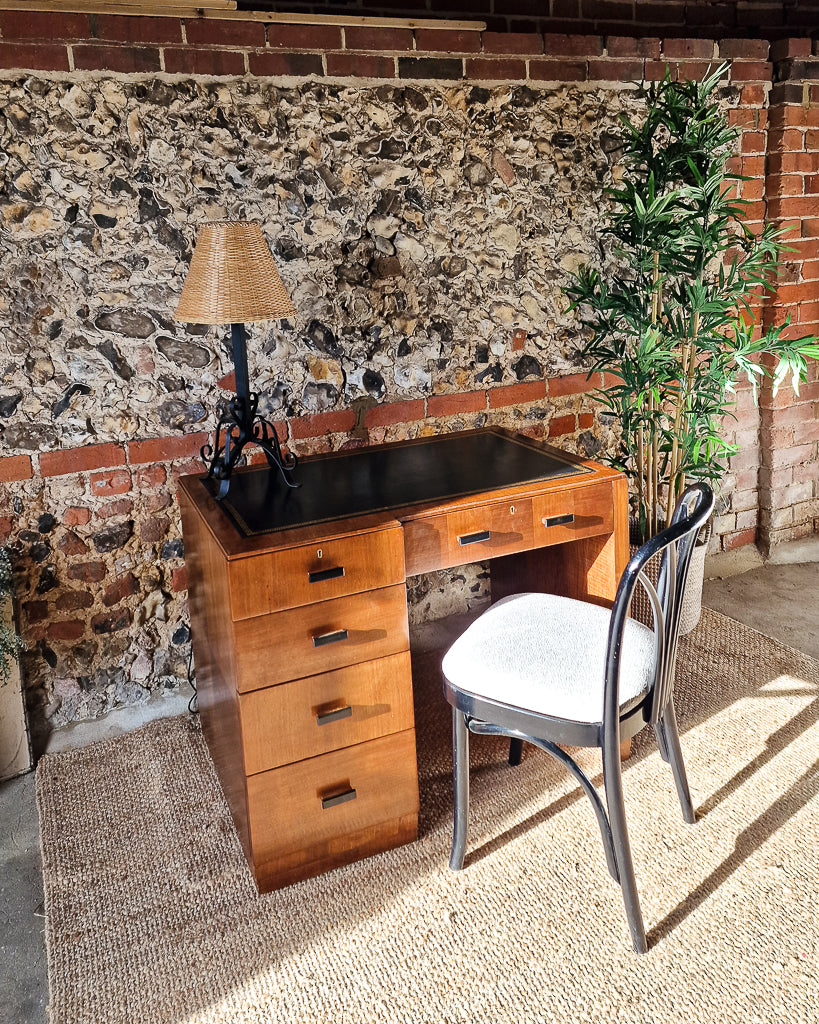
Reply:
x=555, y=671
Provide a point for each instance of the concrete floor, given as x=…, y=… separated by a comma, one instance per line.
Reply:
x=779, y=597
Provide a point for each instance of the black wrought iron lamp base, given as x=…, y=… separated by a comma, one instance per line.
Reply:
x=241, y=425
x=238, y=427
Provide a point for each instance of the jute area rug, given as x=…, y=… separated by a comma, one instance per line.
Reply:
x=152, y=915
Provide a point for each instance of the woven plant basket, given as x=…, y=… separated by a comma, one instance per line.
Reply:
x=692, y=596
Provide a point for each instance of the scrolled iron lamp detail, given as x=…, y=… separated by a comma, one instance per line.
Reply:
x=241, y=427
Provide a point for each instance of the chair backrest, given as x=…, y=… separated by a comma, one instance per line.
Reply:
x=675, y=545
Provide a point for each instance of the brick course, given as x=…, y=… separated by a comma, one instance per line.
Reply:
x=232, y=45
x=79, y=460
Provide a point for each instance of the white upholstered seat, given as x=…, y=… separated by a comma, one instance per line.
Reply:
x=547, y=654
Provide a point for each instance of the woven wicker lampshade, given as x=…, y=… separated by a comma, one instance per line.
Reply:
x=232, y=278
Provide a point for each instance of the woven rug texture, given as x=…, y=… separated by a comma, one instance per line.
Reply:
x=152, y=916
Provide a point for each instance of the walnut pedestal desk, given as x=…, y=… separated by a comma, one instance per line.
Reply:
x=299, y=617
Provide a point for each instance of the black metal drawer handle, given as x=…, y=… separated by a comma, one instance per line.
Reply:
x=474, y=538
x=558, y=520
x=339, y=798
x=325, y=717
x=330, y=638
x=325, y=574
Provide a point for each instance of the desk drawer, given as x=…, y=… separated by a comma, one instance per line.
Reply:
x=316, y=572
x=576, y=512
x=309, y=816
x=321, y=637
x=456, y=538
x=312, y=716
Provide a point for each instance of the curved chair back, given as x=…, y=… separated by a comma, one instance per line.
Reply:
x=676, y=545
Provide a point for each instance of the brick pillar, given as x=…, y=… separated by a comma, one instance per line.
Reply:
x=738, y=509
x=789, y=472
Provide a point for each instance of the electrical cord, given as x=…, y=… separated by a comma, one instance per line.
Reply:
x=193, y=703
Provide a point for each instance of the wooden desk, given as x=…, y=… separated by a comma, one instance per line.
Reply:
x=299, y=618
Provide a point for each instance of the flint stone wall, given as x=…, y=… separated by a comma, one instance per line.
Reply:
x=424, y=233
x=416, y=230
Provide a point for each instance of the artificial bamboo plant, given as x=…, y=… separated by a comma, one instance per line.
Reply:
x=674, y=326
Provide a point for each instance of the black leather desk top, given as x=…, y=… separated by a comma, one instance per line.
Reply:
x=366, y=480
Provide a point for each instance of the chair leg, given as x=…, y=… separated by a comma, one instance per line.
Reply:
x=613, y=783
x=515, y=751
x=460, y=759
x=668, y=737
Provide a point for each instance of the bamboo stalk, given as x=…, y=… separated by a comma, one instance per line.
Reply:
x=640, y=471
x=653, y=482
x=688, y=361
x=648, y=477
x=675, y=444
x=689, y=383
x=655, y=469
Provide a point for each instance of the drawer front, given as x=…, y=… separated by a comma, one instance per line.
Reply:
x=316, y=572
x=426, y=545
x=312, y=716
x=498, y=529
x=302, y=812
x=322, y=637
x=457, y=538
x=577, y=512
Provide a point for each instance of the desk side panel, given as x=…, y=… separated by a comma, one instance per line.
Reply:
x=212, y=638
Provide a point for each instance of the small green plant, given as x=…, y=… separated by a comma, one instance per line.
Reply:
x=675, y=326
x=10, y=642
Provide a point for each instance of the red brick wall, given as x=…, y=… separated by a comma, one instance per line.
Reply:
x=767, y=19
x=789, y=474
x=229, y=45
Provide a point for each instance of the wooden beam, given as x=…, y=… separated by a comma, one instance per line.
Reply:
x=77, y=6
x=224, y=10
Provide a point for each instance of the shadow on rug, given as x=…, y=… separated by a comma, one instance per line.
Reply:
x=152, y=915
